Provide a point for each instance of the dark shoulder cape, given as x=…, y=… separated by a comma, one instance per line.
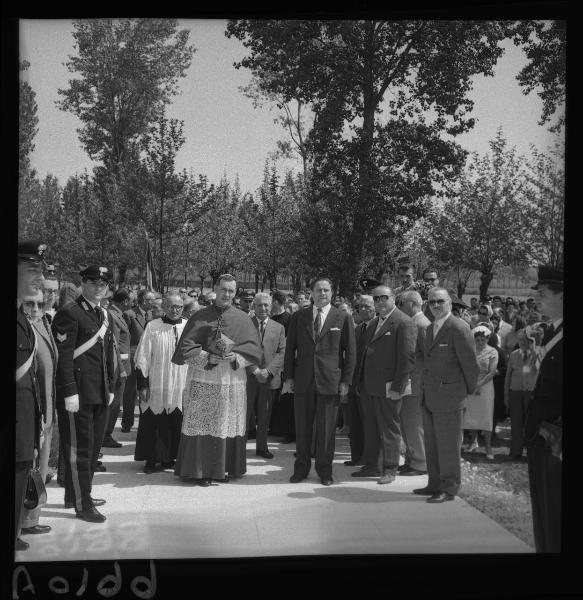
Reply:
x=203, y=324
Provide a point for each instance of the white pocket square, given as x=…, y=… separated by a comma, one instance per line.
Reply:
x=334, y=328
x=388, y=333
x=443, y=345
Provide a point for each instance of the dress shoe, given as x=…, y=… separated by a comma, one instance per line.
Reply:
x=425, y=491
x=264, y=453
x=386, y=478
x=205, y=481
x=411, y=472
x=100, y=469
x=111, y=443
x=364, y=473
x=352, y=463
x=36, y=529
x=96, y=502
x=149, y=469
x=296, y=478
x=440, y=497
x=90, y=514
x=21, y=545
x=326, y=481
x=168, y=465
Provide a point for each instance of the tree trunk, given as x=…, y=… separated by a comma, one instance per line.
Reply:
x=486, y=280
x=461, y=288
x=201, y=277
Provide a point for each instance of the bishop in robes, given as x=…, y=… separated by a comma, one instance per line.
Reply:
x=217, y=344
x=160, y=385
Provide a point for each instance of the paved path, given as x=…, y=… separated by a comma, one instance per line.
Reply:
x=261, y=514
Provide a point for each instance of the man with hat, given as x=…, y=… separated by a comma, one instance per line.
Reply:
x=85, y=387
x=28, y=407
x=543, y=426
x=246, y=301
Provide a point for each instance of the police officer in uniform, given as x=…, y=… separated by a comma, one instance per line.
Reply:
x=544, y=418
x=28, y=409
x=85, y=387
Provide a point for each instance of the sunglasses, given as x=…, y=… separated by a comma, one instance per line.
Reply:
x=436, y=302
x=381, y=297
x=31, y=304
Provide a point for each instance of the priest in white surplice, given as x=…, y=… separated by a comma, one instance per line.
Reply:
x=160, y=385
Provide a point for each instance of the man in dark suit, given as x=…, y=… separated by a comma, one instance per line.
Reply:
x=383, y=377
x=120, y=302
x=136, y=320
x=85, y=386
x=28, y=408
x=366, y=312
x=544, y=415
x=450, y=373
x=264, y=379
x=319, y=364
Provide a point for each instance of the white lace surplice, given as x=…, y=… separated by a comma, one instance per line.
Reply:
x=167, y=380
x=215, y=400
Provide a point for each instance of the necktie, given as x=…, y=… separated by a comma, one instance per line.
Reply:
x=98, y=313
x=435, y=329
x=379, y=324
x=318, y=324
x=262, y=329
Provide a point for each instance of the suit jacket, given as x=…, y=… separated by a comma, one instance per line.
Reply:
x=90, y=375
x=422, y=323
x=136, y=324
x=330, y=361
x=43, y=329
x=389, y=354
x=546, y=403
x=451, y=369
x=272, y=350
x=27, y=394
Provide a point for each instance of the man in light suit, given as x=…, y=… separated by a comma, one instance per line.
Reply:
x=411, y=415
x=387, y=359
x=545, y=411
x=263, y=380
x=450, y=373
x=319, y=364
x=136, y=320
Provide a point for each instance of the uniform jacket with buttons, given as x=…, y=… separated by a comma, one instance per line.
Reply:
x=328, y=361
x=27, y=394
x=388, y=354
x=92, y=374
x=450, y=370
x=546, y=403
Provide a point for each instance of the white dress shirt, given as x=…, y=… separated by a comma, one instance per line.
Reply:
x=325, y=311
x=438, y=323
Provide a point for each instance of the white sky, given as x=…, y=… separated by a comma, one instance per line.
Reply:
x=224, y=133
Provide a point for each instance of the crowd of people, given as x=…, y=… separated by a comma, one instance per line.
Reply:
x=407, y=371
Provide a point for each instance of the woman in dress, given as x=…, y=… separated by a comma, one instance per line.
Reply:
x=479, y=415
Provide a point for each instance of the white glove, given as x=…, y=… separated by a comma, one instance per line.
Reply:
x=342, y=389
x=111, y=397
x=288, y=387
x=72, y=403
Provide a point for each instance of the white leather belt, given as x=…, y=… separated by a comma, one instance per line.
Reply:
x=124, y=356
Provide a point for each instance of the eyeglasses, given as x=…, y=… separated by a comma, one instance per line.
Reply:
x=381, y=297
x=429, y=279
x=31, y=304
x=436, y=302
x=176, y=307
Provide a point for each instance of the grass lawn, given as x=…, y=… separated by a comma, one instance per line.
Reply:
x=499, y=487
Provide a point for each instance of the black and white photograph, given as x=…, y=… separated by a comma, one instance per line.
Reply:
x=288, y=287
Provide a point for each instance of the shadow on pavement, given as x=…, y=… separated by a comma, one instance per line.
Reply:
x=356, y=495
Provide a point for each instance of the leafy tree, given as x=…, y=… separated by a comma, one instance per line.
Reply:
x=487, y=223
x=128, y=71
x=545, y=46
x=27, y=123
x=343, y=70
x=546, y=175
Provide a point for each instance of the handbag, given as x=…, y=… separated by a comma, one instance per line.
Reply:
x=36, y=493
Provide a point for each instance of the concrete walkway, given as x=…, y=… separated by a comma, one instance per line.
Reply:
x=262, y=514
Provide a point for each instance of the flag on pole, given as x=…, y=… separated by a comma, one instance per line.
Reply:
x=151, y=279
